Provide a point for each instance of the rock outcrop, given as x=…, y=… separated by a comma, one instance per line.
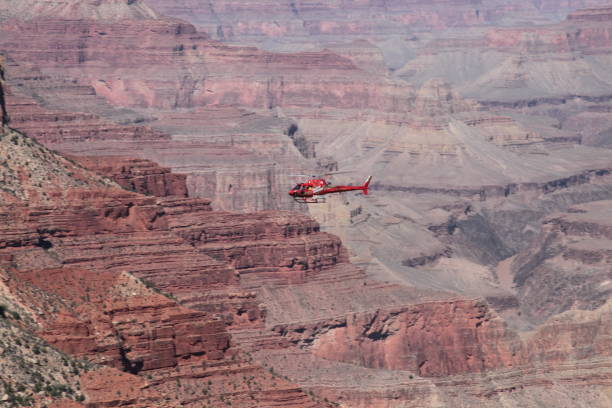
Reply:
x=468, y=340
x=205, y=147
x=138, y=175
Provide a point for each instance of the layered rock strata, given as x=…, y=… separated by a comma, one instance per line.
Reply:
x=570, y=260
x=334, y=102
x=73, y=265
x=241, y=252
x=282, y=286
x=138, y=175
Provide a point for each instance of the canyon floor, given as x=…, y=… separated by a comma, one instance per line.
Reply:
x=150, y=254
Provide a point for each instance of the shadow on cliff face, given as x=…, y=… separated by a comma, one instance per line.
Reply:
x=503, y=229
x=304, y=146
x=3, y=113
x=480, y=237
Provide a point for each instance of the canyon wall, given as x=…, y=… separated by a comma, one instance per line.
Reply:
x=274, y=280
x=184, y=303
x=80, y=254
x=140, y=176
x=569, y=261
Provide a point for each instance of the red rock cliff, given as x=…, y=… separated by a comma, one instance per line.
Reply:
x=73, y=245
x=138, y=175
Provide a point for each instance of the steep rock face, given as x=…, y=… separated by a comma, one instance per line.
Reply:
x=207, y=262
x=328, y=94
x=78, y=330
x=265, y=79
x=523, y=65
x=3, y=113
x=551, y=5
x=588, y=32
x=437, y=98
x=108, y=387
x=569, y=265
x=52, y=126
x=140, y=176
x=70, y=259
x=571, y=347
x=138, y=330
x=246, y=21
x=574, y=335
x=211, y=144
x=429, y=339
x=452, y=140
x=251, y=245
x=591, y=15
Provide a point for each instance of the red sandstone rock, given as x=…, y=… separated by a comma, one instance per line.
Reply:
x=108, y=387
x=66, y=404
x=430, y=339
x=140, y=176
x=48, y=126
x=70, y=257
x=116, y=231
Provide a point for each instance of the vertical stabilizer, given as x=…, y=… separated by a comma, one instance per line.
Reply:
x=366, y=185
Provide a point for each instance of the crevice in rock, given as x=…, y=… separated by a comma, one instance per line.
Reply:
x=132, y=367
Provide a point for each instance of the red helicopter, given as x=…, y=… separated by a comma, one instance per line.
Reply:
x=309, y=191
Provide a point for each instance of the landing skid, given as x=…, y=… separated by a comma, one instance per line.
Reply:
x=310, y=200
